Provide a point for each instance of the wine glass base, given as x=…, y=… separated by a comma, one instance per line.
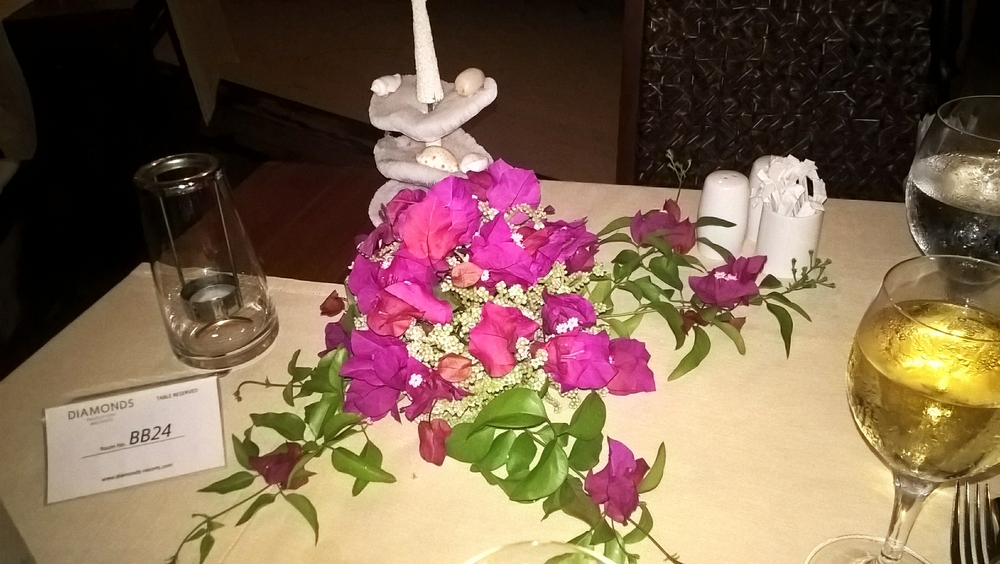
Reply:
x=856, y=549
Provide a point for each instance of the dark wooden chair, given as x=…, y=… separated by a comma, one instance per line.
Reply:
x=841, y=82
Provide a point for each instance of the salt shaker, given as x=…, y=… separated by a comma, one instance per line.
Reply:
x=725, y=195
x=757, y=196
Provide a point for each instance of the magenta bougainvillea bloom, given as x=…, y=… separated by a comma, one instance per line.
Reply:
x=334, y=337
x=501, y=258
x=568, y=242
x=391, y=316
x=511, y=186
x=679, y=234
x=579, y=360
x=492, y=340
x=379, y=368
x=448, y=216
x=631, y=360
x=276, y=467
x=426, y=387
x=399, y=203
x=565, y=313
x=731, y=284
x=616, y=486
x=433, y=435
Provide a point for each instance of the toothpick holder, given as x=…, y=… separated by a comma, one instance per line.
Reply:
x=782, y=238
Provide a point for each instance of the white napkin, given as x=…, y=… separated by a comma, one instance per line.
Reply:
x=784, y=187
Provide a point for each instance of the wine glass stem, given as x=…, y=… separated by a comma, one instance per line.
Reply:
x=910, y=495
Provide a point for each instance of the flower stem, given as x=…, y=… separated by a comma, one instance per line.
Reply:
x=649, y=536
x=212, y=518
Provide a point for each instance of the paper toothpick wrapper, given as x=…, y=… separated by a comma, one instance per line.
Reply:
x=429, y=89
x=790, y=196
x=757, y=194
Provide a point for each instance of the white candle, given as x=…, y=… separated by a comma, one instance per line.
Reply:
x=428, y=79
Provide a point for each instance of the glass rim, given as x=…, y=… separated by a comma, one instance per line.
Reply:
x=203, y=165
x=922, y=258
x=950, y=105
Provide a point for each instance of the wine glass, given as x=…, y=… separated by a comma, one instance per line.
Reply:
x=923, y=384
x=540, y=552
x=953, y=188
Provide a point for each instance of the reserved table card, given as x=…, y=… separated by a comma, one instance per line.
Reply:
x=133, y=437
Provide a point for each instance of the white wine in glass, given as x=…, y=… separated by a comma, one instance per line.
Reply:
x=923, y=383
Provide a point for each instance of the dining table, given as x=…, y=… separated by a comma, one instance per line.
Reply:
x=763, y=458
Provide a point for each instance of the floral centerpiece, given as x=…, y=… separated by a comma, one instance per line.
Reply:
x=474, y=314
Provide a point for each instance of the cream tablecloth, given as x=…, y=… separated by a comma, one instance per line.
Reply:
x=763, y=463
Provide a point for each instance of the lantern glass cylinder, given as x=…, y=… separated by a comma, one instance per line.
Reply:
x=211, y=289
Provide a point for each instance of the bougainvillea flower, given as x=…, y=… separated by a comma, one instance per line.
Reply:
x=616, y=485
x=424, y=388
x=667, y=224
x=334, y=337
x=379, y=368
x=380, y=237
x=579, y=360
x=399, y=203
x=332, y=305
x=433, y=435
x=731, y=284
x=368, y=279
x=493, y=339
x=391, y=316
x=564, y=313
x=511, y=187
x=569, y=243
x=631, y=359
x=421, y=297
x=454, y=367
x=276, y=467
x=448, y=216
x=363, y=283
x=496, y=252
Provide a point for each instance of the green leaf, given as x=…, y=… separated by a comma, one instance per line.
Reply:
x=603, y=532
x=544, y=478
x=614, y=552
x=643, y=528
x=655, y=473
x=573, y=501
x=585, y=454
x=587, y=421
x=615, y=225
x=601, y=291
x=784, y=300
x=261, y=501
x=350, y=463
x=616, y=238
x=633, y=289
x=316, y=414
x=497, y=455
x=240, y=452
x=338, y=422
x=723, y=252
x=517, y=408
x=288, y=425
x=733, y=333
x=466, y=446
x=296, y=372
x=707, y=220
x=674, y=320
x=522, y=452
x=287, y=394
x=237, y=481
x=649, y=290
x=666, y=270
x=784, y=325
x=769, y=282
x=305, y=507
x=331, y=369
x=618, y=328
x=207, y=542
x=625, y=264
x=698, y=352
x=632, y=323
x=373, y=456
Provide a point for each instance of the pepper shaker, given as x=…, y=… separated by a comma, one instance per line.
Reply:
x=725, y=195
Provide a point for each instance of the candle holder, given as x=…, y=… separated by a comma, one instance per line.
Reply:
x=210, y=287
